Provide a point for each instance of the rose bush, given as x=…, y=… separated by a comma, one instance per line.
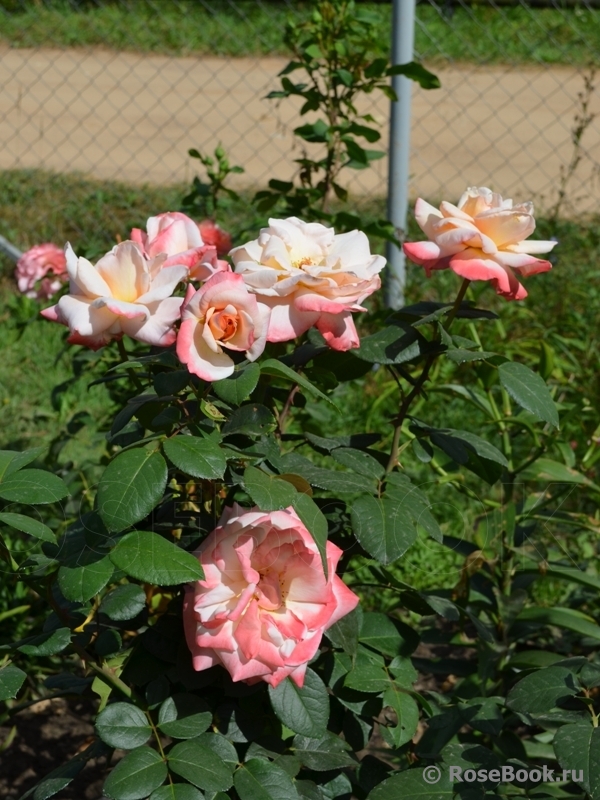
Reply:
x=265, y=602
x=482, y=238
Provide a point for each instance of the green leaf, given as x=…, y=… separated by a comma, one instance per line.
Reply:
x=136, y=776
x=11, y=460
x=79, y=584
x=184, y=716
x=201, y=766
x=416, y=72
x=383, y=527
x=568, y=618
x=367, y=675
x=577, y=747
x=130, y=487
x=407, y=714
x=359, y=461
x=221, y=746
x=415, y=784
x=314, y=520
x=472, y=452
x=529, y=390
x=251, y=420
x=33, y=486
x=124, y=602
x=200, y=458
x=45, y=644
x=148, y=557
x=413, y=502
x=11, y=680
x=379, y=632
x=270, y=493
x=545, y=469
x=542, y=690
x=322, y=754
x=276, y=368
x=305, y=710
x=177, y=791
x=235, y=389
x=344, y=633
x=27, y=525
x=263, y=780
x=123, y=725
x=394, y=344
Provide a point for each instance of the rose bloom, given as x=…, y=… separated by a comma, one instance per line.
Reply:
x=221, y=314
x=212, y=233
x=309, y=275
x=481, y=239
x=265, y=602
x=35, y=264
x=122, y=293
x=179, y=237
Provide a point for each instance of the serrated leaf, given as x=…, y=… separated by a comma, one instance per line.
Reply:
x=221, y=746
x=305, y=710
x=123, y=725
x=45, y=644
x=138, y=774
x=542, y=690
x=359, y=461
x=394, y=344
x=28, y=525
x=33, y=486
x=177, y=791
x=414, y=502
x=407, y=714
x=263, y=780
x=79, y=584
x=11, y=460
x=415, y=784
x=252, y=419
x=383, y=527
x=239, y=386
x=268, y=492
x=344, y=633
x=529, y=390
x=148, y=557
x=201, y=766
x=416, y=72
x=577, y=748
x=379, y=632
x=124, y=602
x=198, y=457
x=130, y=487
x=314, y=520
x=279, y=370
x=322, y=754
x=569, y=618
x=11, y=680
x=184, y=716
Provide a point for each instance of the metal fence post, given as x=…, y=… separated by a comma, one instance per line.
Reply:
x=403, y=40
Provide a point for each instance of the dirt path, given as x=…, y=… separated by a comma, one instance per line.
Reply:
x=131, y=117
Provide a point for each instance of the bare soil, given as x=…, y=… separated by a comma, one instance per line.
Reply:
x=133, y=117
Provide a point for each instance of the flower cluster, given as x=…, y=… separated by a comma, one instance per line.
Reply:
x=294, y=276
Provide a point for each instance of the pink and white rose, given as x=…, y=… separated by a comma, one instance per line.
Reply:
x=123, y=293
x=212, y=233
x=309, y=275
x=265, y=602
x=481, y=239
x=221, y=315
x=35, y=264
x=179, y=237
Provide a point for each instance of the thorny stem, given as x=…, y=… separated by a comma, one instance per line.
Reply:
x=286, y=408
x=420, y=382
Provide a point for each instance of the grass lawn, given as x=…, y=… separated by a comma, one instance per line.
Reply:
x=479, y=33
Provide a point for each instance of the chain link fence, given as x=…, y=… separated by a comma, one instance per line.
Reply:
x=122, y=89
